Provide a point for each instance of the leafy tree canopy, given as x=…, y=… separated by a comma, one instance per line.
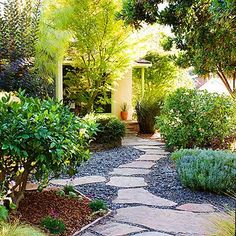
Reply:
x=19, y=26
x=97, y=47
x=203, y=30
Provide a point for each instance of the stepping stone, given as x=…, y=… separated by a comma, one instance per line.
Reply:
x=196, y=207
x=116, y=229
x=127, y=182
x=85, y=234
x=129, y=171
x=154, y=152
x=141, y=196
x=79, y=181
x=149, y=147
x=152, y=234
x=149, y=158
x=167, y=220
x=139, y=164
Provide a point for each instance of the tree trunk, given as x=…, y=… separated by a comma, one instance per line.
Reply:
x=226, y=83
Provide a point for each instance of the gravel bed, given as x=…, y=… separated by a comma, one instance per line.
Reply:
x=163, y=181
x=101, y=163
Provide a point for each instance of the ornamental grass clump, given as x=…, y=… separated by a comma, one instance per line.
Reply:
x=206, y=170
x=39, y=137
x=147, y=109
x=17, y=229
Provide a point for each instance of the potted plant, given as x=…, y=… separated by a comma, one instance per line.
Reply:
x=124, y=111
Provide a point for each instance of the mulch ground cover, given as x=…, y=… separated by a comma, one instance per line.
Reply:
x=37, y=205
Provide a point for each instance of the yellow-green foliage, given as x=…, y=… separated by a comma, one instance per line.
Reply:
x=97, y=45
x=19, y=230
x=225, y=226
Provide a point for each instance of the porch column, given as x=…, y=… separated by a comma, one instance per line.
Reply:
x=143, y=81
x=59, y=81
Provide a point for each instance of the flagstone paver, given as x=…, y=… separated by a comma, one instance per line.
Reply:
x=167, y=220
x=86, y=234
x=140, y=212
x=152, y=234
x=196, y=207
x=129, y=171
x=139, y=164
x=79, y=181
x=152, y=147
x=141, y=196
x=155, y=152
x=118, y=229
x=127, y=182
x=149, y=158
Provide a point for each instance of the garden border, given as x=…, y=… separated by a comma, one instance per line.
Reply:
x=109, y=212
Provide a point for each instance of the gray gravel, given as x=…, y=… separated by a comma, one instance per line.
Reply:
x=163, y=181
x=101, y=163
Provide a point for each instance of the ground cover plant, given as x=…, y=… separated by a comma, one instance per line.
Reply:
x=192, y=118
x=53, y=225
x=38, y=137
x=206, y=170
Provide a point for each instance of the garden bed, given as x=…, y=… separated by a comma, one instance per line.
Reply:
x=75, y=213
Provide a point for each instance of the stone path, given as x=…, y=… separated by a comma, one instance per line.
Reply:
x=140, y=212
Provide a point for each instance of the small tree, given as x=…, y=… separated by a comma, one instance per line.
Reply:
x=42, y=138
x=98, y=49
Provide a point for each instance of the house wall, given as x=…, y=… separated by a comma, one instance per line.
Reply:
x=123, y=93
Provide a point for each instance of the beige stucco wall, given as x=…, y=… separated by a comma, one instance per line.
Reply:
x=123, y=94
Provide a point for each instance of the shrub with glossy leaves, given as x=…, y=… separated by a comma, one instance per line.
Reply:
x=110, y=129
x=206, y=170
x=39, y=137
x=193, y=118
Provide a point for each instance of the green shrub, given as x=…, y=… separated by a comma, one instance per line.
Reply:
x=193, y=118
x=206, y=169
x=3, y=213
x=97, y=205
x=68, y=188
x=147, y=110
x=110, y=129
x=61, y=193
x=38, y=137
x=19, y=230
x=53, y=225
